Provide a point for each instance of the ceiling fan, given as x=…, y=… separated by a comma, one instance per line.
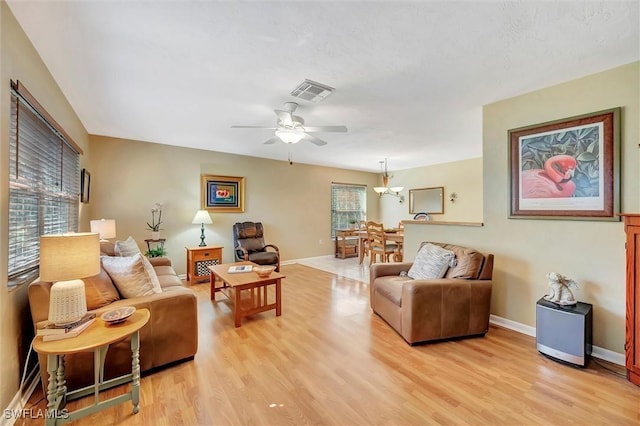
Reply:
x=291, y=129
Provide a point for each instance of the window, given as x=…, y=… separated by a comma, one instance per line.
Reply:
x=43, y=183
x=348, y=204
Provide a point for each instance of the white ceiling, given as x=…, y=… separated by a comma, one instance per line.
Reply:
x=410, y=77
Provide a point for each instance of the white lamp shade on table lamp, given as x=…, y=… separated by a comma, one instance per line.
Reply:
x=64, y=259
x=105, y=227
x=202, y=217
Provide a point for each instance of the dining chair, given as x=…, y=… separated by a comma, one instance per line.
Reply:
x=378, y=245
x=398, y=255
x=362, y=226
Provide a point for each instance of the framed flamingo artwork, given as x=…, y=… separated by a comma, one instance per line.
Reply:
x=567, y=169
x=222, y=193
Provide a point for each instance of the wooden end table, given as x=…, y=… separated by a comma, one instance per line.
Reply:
x=198, y=259
x=247, y=291
x=96, y=339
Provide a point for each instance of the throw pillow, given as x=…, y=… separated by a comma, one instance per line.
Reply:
x=128, y=247
x=99, y=290
x=130, y=275
x=151, y=272
x=431, y=262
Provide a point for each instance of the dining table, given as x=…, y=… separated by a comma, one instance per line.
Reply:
x=395, y=235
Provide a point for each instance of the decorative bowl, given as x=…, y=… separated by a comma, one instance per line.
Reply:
x=118, y=315
x=264, y=271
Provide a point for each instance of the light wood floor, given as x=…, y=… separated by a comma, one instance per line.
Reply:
x=329, y=361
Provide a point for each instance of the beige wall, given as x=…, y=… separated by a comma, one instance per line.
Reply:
x=19, y=61
x=462, y=177
x=292, y=201
x=590, y=252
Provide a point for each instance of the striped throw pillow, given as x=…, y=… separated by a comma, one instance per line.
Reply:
x=431, y=262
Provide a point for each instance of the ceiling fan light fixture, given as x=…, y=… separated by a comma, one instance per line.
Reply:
x=380, y=189
x=396, y=189
x=290, y=135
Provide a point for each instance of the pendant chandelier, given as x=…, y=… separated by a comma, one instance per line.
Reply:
x=385, y=189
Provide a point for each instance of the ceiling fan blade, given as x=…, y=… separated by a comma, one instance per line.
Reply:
x=314, y=140
x=272, y=140
x=253, y=127
x=325, y=128
x=285, y=117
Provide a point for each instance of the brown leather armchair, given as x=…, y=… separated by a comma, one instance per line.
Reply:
x=421, y=310
x=248, y=242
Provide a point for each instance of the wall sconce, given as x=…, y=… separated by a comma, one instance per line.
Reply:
x=452, y=197
x=385, y=190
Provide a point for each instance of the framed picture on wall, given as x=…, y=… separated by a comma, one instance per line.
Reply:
x=222, y=193
x=567, y=169
x=85, y=186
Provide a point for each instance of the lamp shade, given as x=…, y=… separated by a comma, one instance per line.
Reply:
x=66, y=258
x=69, y=256
x=105, y=227
x=202, y=216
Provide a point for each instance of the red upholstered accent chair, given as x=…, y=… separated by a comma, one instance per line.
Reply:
x=248, y=241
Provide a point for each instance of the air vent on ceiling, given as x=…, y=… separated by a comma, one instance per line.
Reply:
x=312, y=91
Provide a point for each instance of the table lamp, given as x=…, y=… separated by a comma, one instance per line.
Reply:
x=105, y=227
x=202, y=217
x=64, y=259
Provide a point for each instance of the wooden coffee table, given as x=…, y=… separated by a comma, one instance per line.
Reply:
x=248, y=292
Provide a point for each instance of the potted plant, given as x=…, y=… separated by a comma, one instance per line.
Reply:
x=352, y=224
x=156, y=252
x=154, y=225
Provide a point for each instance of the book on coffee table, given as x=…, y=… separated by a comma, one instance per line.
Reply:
x=240, y=268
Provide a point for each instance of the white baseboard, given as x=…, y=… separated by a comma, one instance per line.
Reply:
x=512, y=325
x=607, y=355
x=19, y=401
x=596, y=351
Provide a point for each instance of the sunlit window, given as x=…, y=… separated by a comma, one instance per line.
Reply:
x=348, y=205
x=43, y=186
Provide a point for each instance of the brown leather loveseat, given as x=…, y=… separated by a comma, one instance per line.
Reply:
x=170, y=335
x=431, y=309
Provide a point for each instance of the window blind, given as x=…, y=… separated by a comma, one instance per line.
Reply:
x=43, y=186
x=348, y=203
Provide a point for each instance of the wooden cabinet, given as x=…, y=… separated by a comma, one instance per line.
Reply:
x=632, y=335
x=198, y=258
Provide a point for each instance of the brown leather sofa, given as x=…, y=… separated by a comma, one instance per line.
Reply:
x=423, y=310
x=170, y=335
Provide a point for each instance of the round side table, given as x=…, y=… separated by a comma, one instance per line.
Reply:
x=96, y=339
